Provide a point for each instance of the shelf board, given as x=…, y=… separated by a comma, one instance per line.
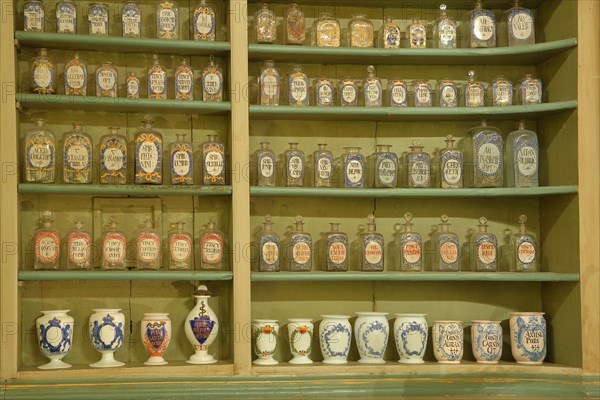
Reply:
x=125, y=190
x=530, y=54
x=125, y=275
x=120, y=44
x=120, y=104
x=466, y=5
x=323, y=276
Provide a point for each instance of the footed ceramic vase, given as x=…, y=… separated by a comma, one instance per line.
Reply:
x=448, y=341
x=300, y=334
x=264, y=337
x=201, y=328
x=335, y=336
x=486, y=341
x=106, y=333
x=156, y=336
x=528, y=337
x=372, y=331
x=410, y=332
x=55, y=337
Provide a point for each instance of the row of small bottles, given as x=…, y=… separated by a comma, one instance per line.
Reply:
x=78, y=157
x=483, y=155
x=75, y=78
x=167, y=21
x=346, y=92
x=179, y=247
x=516, y=28
x=445, y=244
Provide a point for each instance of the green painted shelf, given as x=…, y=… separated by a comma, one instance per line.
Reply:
x=421, y=5
x=322, y=276
x=116, y=43
x=125, y=190
x=400, y=192
x=521, y=55
x=120, y=104
x=125, y=276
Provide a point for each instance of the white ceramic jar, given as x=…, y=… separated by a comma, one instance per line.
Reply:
x=528, y=338
x=156, y=336
x=300, y=334
x=201, y=328
x=448, y=341
x=335, y=336
x=55, y=337
x=410, y=332
x=264, y=337
x=372, y=331
x=107, y=335
x=486, y=341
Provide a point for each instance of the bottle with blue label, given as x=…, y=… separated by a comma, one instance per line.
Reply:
x=265, y=165
x=43, y=73
x=204, y=22
x=66, y=17
x=184, y=81
x=522, y=157
x=182, y=164
x=300, y=247
x=212, y=81
x=167, y=20
x=525, y=257
x=372, y=89
x=98, y=22
x=529, y=90
x=445, y=30
x=348, y=92
x=371, y=247
x=75, y=77
x=157, y=80
x=451, y=165
x=148, y=154
x=397, y=92
x=213, y=162
x=486, y=149
x=385, y=167
x=353, y=163
x=268, y=246
x=298, y=87
x=294, y=166
x=77, y=156
x=323, y=166
x=410, y=246
x=34, y=16
x=106, y=80
x=502, y=91
x=131, y=20
x=389, y=34
x=113, y=158
x=446, y=248
x=480, y=28
x=269, y=84
x=418, y=167
x=448, y=93
x=423, y=93
x=132, y=86
x=40, y=154
x=516, y=27
x=484, y=249
x=325, y=92
x=474, y=92
x=336, y=252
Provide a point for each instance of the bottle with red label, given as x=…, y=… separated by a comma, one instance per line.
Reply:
x=525, y=255
x=114, y=247
x=268, y=246
x=484, y=249
x=410, y=245
x=336, y=252
x=371, y=247
x=148, y=243
x=181, y=248
x=79, y=248
x=300, y=247
x=47, y=244
x=211, y=248
x=447, y=248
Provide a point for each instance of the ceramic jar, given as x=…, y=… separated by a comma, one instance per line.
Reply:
x=486, y=341
x=106, y=333
x=448, y=341
x=264, y=337
x=55, y=337
x=300, y=334
x=410, y=332
x=528, y=337
x=201, y=328
x=372, y=331
x=156, y=336
x=335, y=335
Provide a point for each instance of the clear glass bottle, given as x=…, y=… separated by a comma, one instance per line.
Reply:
x=47, y=244
x=265, y=25
x=295, y=25
x=410, y=246
x=66, y=17
x=157, y=80
x=516, y=27
x=348, y=93
x=397, y=92
x=418, y=167
x=75, y=77
x=336, y=252
x=79, y=248
x=486, y=155
x=530, y=90
x=213, y=161
x=181, y=248
x=294, y=166
x=323, y=166
x=447, y=248
x=268, y=247
x=480, y=29
x=474, y=92
x=131, y=20
x=444, y=30
x=98, y=22
x=265, y=165
x=113, y=158
x=354, y=168
x=448, y=93
x=182, y=161
x=389, y=34
x=212, y=81
x=451, y=166
x=184, y=81
x=204, y=22
x=40, y=153
x=114, y=247
x=385, y=167
x=269, y=84
x=167, y=20
x=484, y=249
x=43, y=73
x=77, y=156
x=212, y=248
x=417, y=35
x=148, y=245
x=524, y=257
x=34, y=16
x=423, y=94
x=502, y=91
x=106, y=80
x=325, y=92
x=326, y=31
x=371, y=247
x=360, y=32
x=132, y=86
x=522, y=157
x=298, y=87
x=148, y=154
x=300, y=247
x=372, y=89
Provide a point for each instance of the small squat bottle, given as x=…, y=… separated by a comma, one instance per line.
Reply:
x=481, y=27
x=486, y=150
x=295, y=31
x=265, y=25
x=300, y=247
x=423, y=94
x=182, y=163
x=360, y=32
x=474, y=92
x=348, y=92
x=79, y=248
x=184, y=81
x=389, y=34
x=522, y=157
x=157, y=80
x=298, y=87
x=98, y=22
x=385, y=167
x=212, y=81
x=113, y=158
x=148, y=154
x=40, y=154
x=181, y=248
x=294, y=166
x=371, y=247
x=66, y=17
x=417, y=35
x=269, y=84
x=397, y=92
x=502, y=91
x=268, y=247
x=77, y=156
x=372, y=89
x=353, y=163
x=444, y=30
x=213, y=161
x=265, y=165
x=529, y=90
x=212, y=248
x=34, y=16
x=114, y=247
x=325, y=92
x=447, y=93
x=47, y=244
x=106, y=80
x=75, y=77
x=516, y=27
x=410, y=246
x=484, y=249
x=336, y=249
x=323, y=166
x=167, y=20
x=326, y=31
x=43, y=73
x=524, y=247
x=148, y=243
x=451, y=166
x=131, y=20
x=132, y=86
x=418, y=167
x=447, y=248
x=204, y=22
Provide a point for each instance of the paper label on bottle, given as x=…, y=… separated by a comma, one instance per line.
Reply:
x=40, y=155
x=447, y=34
x=398, y=95
x=114, y=247
x=106, y=79
x=448, y=96
x=337, y=252
x=167, y=20
x=77, y=156
x=148, y=247
x=47, y=247
x=526, y=252
x=181, y=247
x=295, y=167
x=411, y=251
x=325, y=94
x=521, y=25
x=417, y=36
x=148, y=156
x=486, y=251
x=483, y=27
x=423, y=95
x=75, y=77
x=270, y=85
x=449, y=252
x=488, y=158
x=204, y=22
x=133, y=87
x=373, y=252
x=301, y=252
x=386, y=171
x=392, y=36
x=475, y=95
x=212, y=83
x=452, y=171
x=65, y=19
x=502, y=93
x=266, y=167
x=527, y=161
x=270, y=252
x=42, y=75
x=354, y=171
x=98, y=21
x=298, y=89
x=211, y=247
x=113, y=159
x=157, y=82
x=324, y=168
x=181, y=163
x=419, y=172
x=184, y=81
x=131, y=23
x=532, y=92
x=34, y=18
x=349, y=93
x=79, y=246
x=373, y=92
x=213, y=163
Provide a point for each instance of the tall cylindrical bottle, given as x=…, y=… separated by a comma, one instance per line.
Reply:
x=212, y=248
x=40, y=154
x=148, y=154
x=113, y=158
x=182, y=161
x=77, y=156
x=410, y=246
x=114, y=247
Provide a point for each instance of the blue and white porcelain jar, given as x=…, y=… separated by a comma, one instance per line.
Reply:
x=528, y=337
x=448, y=341
x=410, y=332
x=107, y=334
x=335, y=336
x=372, y=332
x=486, y=341
x=55, y=337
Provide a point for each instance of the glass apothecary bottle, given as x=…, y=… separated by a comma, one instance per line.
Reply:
x=79, y=248
x=474, y=92
x=113, y=158
x=66, y=17
x=132, y=86
x=269, y=84
x=484, y=249
x=410, y=246
x=75, y=77
x=371, y=247
x=148, y=243
x=47, y=244
x=524, y=257
x=480, y=27
x=445, y=30
x=298, y=87
x=40, y=153
x=360, y=32
x=295, y=25
x=294, y=165
x=182, y=161
x=204, y=22
x=114, y=247
x=268, y=247
x=326, y=31
x=212, y=248
x=43, y=73
x=77, y=156
x=447, y=93
x=502, y=91
x=323, y=166
x=348, y=93
x=336, y=252
x=300, y=247
x=389, y=34
x=184, y=81
x=485, y=150
x=265, y=25
x=131, y=20
x=423, y=94
x=447, y=248
x=385, y=167
x=353, y=163
x=397, y=92
x=451, y=165
x=372, y=89
x=418, y=167
x=522, y=157
x=265, y=165
x=148, y=154
x=34, y=16
x=167, y=20
x=417, y=35
x=213, y=161
x=325, y=92
x=530, y=90
x=157, y=80
x=98, y=22
x=212, y=81
x=181, y=248
x=106, y=80
x=516, y=27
